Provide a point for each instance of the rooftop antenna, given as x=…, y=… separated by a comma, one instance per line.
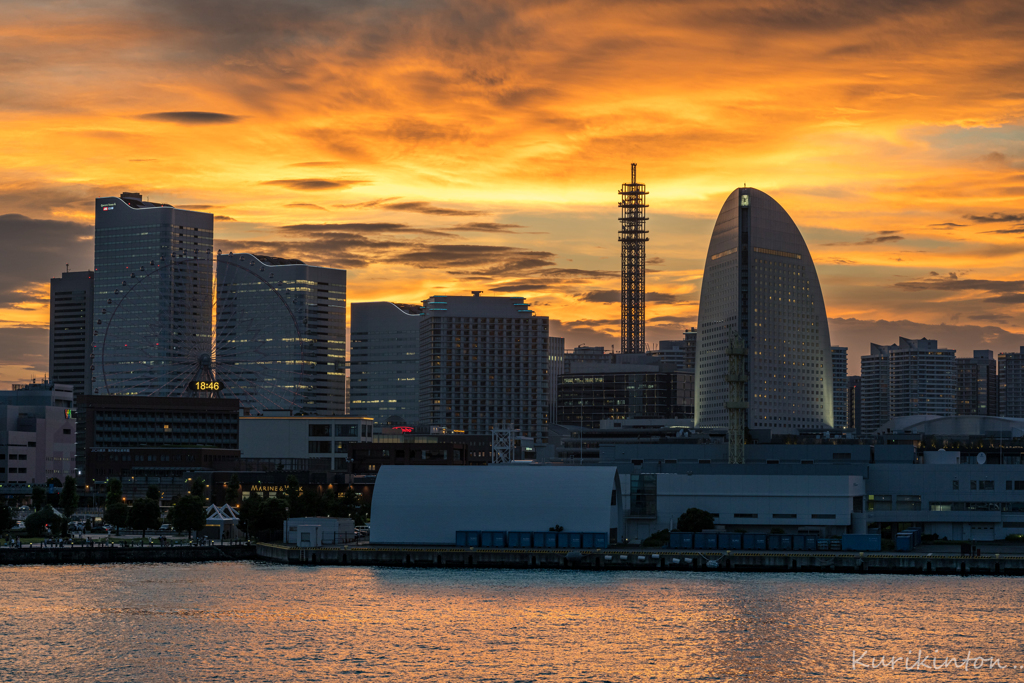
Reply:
x=67, y=267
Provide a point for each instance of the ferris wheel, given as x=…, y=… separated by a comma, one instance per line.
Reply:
x=173, y=329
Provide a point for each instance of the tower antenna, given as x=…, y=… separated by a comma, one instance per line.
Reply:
x=633, y=236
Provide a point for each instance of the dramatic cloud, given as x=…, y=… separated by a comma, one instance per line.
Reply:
x=33, y=252
x=876, y=125
x=313, y=183
x=430, y=209
x=190, y=117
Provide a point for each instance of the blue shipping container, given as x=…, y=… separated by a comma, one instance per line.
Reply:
x=513, y=539
x=538, y=539
x=498, y=539
x=550, y=539
x=904, y=542
x=473, y=539
x=588, y=540
x=563, y=539
x=786, y=542
x=460, y=539
x=600, y=540
x=485, y=539
x=862, y=542
x=730, y=541
x=575, y=540
x=774, y=542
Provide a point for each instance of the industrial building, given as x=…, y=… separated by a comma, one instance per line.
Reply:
x=293, y=440
x=632, y=387
x=430, y=504
x=762, y=334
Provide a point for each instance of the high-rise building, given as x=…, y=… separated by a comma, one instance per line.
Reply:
x=71, y=325
x=633, y=236
x=682, y=352
x=483, y=362
x=913, y=377
x=922, y=379
x=152, y=301
x=874, y=388
x=385, y=354
x=556, y=368
x=280, y=334
x=839, y=387
x=1011, y=383
x=977, y=385
x=761, y=290
x=853, y=402
x=37, y=435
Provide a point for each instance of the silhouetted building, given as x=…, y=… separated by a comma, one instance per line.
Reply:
x=760, y=287
x=853, y=402
x=977, y=385
x=623, y=391
x=839, y=387
x=385, y=352
x=111, y=426
x=37, y=435
x=682, y=352
x=281, y=334
x=556, y=368
x=913, y=377
x=1011, y=384
x=483, y=362
x=152, y=297
x=71, y=327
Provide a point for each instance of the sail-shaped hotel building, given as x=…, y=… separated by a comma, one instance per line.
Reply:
x=761, y=295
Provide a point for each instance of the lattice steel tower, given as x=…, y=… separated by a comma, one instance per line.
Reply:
x=633, y=235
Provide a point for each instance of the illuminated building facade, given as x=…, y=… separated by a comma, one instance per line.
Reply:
x=281, y=334
x=385, y=349
x=760, y=286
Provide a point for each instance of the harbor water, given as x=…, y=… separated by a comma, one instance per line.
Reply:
x=252, y=621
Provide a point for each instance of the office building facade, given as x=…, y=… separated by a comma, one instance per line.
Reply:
x=483, y=362
x=71, y=326
x=913, y=377
x=152, y=297
x=761, y=290
x=281, y=334
x=111, y=426
x=385, y=350
x=977, y=385
x=839, y=388
x=622, y=391
x=556, y=368
x=853, y=402
x=682, y=352
x=37, y=435
x=1011, y=384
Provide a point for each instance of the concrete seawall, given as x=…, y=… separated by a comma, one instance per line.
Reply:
x=107, y=554
x=652, y=560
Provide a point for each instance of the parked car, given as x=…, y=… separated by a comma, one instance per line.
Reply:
x=362, y=531
x=166, y=527
x=19, y=525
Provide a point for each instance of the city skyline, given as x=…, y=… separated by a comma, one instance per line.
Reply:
x=468, y=147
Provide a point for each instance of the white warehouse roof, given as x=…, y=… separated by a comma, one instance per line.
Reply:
x=428, y=504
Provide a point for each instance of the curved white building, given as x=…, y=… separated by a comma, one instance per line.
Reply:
x=760, y=283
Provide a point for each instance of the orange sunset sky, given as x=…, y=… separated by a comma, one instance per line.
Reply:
x=442, y=147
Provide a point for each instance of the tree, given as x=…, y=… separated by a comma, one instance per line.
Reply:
x=47, y=518
x=69, y=496
x=198, y=488
x=145, y=514
x=116, y=514
x=294, y=492
x=113, y=492
x=249, y=513
x=272, y=514
x=153, y=493
x=38, y=498
x=696, y=520
x=188, y=514
x=6, y=517
x=53, y=487
x=234, y=495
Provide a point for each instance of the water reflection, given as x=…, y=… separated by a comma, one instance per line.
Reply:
x=257, y=622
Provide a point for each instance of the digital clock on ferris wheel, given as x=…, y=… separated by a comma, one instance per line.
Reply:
x=207, y=386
